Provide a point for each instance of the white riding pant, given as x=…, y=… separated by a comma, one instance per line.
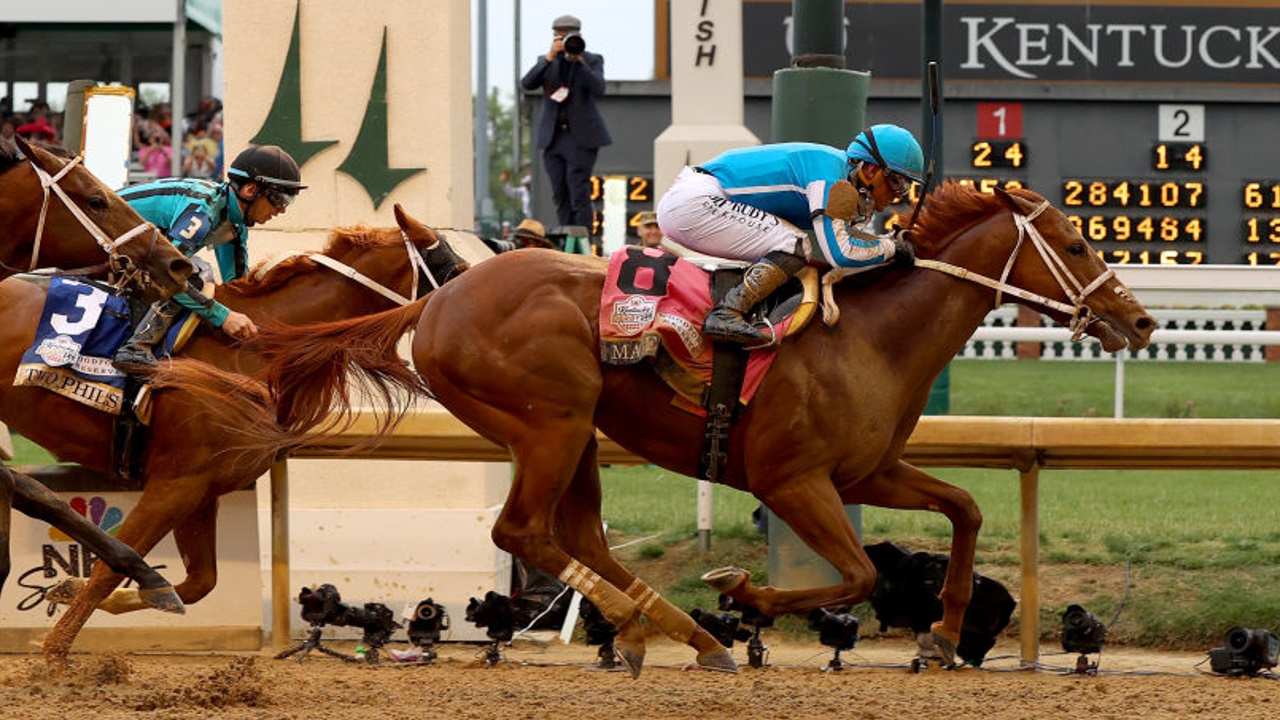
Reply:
x=697, y=213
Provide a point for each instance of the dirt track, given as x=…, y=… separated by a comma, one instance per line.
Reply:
x=562, y=682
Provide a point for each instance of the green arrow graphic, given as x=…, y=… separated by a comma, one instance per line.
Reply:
x=283, y=125
x=368, y=162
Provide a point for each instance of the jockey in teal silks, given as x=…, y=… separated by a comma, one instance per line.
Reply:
x=196, y=214
x=756, y=203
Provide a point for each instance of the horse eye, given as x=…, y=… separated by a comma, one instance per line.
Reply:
x=1077, y=248
x=98, y=203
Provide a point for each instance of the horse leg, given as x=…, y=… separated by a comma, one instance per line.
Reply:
x=813, y=508
x=197, y=539
x=545, y=462
x=905, y=487
x=162, y=504
x=37, y=501
x=581, y=533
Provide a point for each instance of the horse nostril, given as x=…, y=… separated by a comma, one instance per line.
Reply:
x=1146, y=322
x=181, y=267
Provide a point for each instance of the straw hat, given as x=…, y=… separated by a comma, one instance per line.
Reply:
x=530, y=233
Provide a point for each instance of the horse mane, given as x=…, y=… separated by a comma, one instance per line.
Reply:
x=265, y=279
x=952, y=207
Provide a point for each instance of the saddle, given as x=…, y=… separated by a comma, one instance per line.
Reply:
x=653, y=306
x=72, y=357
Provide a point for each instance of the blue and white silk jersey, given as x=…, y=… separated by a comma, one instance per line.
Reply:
x=195, y=214
x=793, y=181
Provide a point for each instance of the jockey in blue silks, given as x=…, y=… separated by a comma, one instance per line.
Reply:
x=752, y=203
x=195, y=214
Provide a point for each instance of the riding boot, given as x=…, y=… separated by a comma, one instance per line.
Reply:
x=726, y=321
x=136, y=353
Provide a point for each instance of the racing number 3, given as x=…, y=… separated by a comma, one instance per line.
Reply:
x=636, y=260
x=192, y=227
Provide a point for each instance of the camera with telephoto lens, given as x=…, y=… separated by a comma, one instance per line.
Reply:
x=574, y=44
x=1082, y=631
x=1248, y=651
x=323, y=606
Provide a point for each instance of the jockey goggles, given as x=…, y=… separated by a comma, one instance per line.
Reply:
x=279, y=198
x=899, y=184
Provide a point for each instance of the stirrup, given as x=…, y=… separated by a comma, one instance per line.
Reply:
x=129, y=359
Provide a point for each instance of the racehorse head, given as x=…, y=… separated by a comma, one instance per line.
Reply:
x=60, y=215
x=1048, y=266
x=442, y=263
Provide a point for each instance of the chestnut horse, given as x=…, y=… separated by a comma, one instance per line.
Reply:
x=55, y=213
x=512, y=349
x=195, y=455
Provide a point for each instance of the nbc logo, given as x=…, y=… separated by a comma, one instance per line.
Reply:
x=95, y=510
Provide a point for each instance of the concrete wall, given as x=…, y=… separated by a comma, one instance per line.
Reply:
x=427, y=106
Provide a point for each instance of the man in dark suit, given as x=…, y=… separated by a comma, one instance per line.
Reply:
x=571, y=130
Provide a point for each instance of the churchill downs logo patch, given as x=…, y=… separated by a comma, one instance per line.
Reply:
x=632, y=315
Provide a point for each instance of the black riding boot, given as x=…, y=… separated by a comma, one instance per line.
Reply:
x=725, y=322
x=136, y=353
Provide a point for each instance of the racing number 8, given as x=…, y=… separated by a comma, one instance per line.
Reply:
x=637, y=259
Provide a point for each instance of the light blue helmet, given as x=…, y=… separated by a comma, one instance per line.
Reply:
x=890, y=147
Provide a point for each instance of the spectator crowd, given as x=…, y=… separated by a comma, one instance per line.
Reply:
x=153, y=128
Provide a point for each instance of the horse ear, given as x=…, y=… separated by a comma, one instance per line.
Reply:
x=400, y=216
x=1007, y=198
x=25, y=147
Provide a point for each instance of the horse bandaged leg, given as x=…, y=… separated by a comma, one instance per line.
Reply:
x=616, y=607
x=612, y=602
x=678, y=625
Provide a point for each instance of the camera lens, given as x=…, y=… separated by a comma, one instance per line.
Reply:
x=574, y=44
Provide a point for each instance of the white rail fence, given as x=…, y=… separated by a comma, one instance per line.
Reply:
x=1230, y=335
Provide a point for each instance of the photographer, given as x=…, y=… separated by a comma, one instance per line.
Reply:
x=571, y=130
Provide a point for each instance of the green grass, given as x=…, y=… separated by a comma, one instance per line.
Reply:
x=1079, y=389
x=26, y=452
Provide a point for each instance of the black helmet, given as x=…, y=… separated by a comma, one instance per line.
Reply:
x=267, y=165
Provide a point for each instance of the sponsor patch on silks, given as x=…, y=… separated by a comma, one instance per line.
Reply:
x=654, y=302
x=80, y=328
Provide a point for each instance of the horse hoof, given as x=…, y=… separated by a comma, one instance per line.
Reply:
x=163, y=598
x=65, y=592
x=721, y=660
x=632, y=659
x=945, y=646
x=726, y=579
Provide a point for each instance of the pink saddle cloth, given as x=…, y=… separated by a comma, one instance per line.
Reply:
x=652, y=308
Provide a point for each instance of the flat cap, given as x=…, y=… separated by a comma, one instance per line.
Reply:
x=566, y=22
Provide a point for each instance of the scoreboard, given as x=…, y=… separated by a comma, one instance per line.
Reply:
x=1144, y=182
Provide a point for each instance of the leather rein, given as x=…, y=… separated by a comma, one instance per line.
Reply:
x=117, y=263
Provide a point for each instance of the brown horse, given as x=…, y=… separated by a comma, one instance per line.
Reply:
x=195, y=455
x=512, y=349
x=54, y=213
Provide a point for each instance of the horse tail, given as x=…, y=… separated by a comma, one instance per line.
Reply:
x=226, y=399
x=318, y=375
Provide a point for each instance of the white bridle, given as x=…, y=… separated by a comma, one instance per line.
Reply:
x=1081, y=316
x=416, y=262
x=117, y=263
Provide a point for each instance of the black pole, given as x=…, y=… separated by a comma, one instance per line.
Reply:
x=931, y=45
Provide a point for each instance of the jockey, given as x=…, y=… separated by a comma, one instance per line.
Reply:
x=751, y=203
x=195, y=214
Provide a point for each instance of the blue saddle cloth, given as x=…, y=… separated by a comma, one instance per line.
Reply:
x=80, y=328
